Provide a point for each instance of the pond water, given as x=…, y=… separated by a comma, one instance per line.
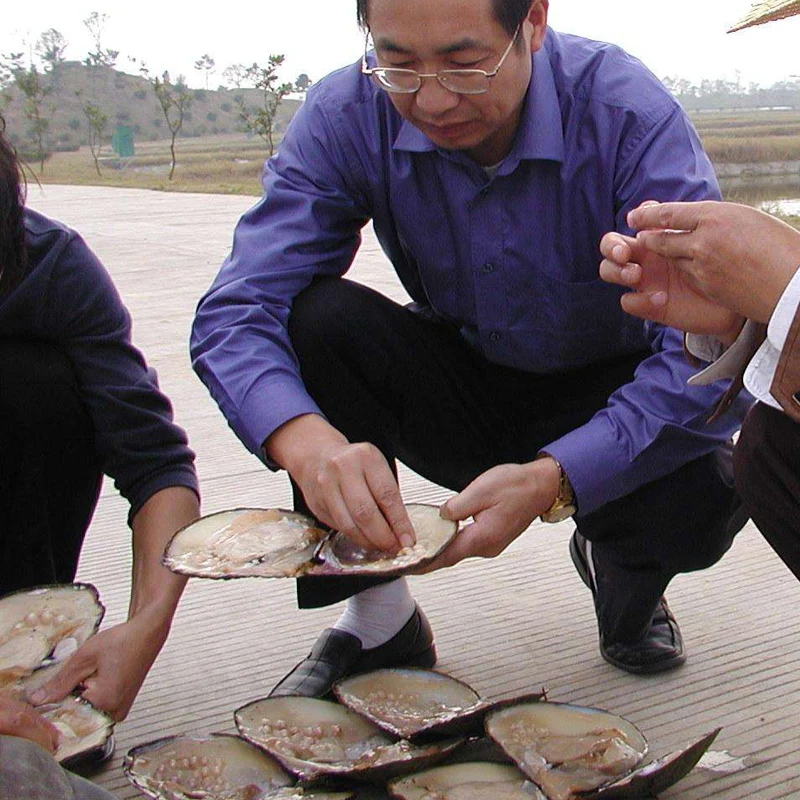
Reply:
x=778, y=194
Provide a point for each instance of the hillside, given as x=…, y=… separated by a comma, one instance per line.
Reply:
x=127, y=100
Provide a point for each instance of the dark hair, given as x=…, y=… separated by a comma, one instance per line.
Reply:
x=13, y=255
x=509, y=13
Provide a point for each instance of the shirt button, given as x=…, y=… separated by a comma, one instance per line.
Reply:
x=487, y=268
x=494, y=336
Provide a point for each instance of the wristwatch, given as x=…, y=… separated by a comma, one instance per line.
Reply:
x=564, y=505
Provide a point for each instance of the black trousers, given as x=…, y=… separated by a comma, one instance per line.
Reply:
x=410, y=385
x=767, y=469
x=49, y=473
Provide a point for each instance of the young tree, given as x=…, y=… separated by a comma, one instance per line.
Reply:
x=175, y=100
x=97, y=121
x=100, y=57
x=261, y=119
x=35, y=91
x=235, y=75
x=50, y=47
x=205, y=64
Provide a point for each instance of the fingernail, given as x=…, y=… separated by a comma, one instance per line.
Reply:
x=658, y=298
x=407, y=540
x=38, y=697
x=617, y=252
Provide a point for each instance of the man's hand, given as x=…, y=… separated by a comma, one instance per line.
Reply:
x=110, y=667
x=662, y=292
x=502, y=501
x=22, y=720
x=349, y=487
x=737, y=257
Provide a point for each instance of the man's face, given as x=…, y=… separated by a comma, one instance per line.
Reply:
x=432, y=35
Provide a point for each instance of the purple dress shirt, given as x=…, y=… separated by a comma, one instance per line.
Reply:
x=512, y=259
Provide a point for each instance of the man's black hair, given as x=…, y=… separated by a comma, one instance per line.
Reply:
x=509, y=13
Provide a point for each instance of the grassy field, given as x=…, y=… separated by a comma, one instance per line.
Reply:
x=232, y=164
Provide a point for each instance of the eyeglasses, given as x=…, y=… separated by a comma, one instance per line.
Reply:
x=409, y=81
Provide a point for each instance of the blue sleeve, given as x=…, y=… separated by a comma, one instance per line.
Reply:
x=656, y=423
x=138, y=444
x=307, y=224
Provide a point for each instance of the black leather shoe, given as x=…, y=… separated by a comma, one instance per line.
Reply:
x=659, y=650
x=337, y=654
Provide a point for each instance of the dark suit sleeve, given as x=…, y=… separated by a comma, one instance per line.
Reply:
x=786, y=383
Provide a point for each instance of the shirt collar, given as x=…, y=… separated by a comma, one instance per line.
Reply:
x=540, y=134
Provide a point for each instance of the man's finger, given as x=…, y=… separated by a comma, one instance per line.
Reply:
x=652, y=306
x=622, y=275
x=73, y=673
x=676, y=246
x=670, y=216
x=386, y=492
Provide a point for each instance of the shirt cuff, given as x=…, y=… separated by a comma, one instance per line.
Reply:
x=727, y=363
x=782, y=317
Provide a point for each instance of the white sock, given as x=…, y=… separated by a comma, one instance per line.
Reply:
x=378, y=613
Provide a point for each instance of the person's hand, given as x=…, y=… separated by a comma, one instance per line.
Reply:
x=349, y=487
x=735, y=255
x=22, y=720
x=662, y=292
x=109, y=668
x=502, y=501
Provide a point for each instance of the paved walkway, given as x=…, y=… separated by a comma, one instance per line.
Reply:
x=505, y=626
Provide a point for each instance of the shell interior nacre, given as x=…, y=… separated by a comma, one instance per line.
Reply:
x=207, y=766
x=567, y=749
x=48, y=622
x=406, y=702
x=245, y=542
x=312, y=738
x=468, y=781
x=273, y=543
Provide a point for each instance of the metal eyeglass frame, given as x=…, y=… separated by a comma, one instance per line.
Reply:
x=377, y=73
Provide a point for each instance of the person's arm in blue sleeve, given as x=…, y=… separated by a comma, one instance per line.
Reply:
x=656, y=423
x=316, y=200
x=307, y=224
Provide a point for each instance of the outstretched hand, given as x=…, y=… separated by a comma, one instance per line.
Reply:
x=662, y=291
x=503, y=502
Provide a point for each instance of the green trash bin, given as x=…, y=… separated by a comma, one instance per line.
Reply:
x=122, y=141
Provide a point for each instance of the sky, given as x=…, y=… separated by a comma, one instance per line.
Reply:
x=681, y=38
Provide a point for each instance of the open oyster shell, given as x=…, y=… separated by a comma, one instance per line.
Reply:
x=657, y=776
x=45, y=624
x=273, y=543
x=215, y=767
x=477, y=780
x=417, y=704
x=319, y=740
x=565, y=749
x=84, y=730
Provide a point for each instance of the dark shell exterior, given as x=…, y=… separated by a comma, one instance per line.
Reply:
x=320, y=741
x=467, y=781
x=274, y=543
x=418, y=704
